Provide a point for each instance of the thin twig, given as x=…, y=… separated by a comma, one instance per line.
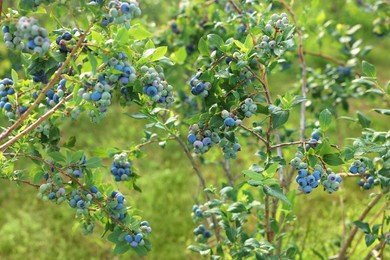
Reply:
x=19, y=180
x=326, y=57
x=235, y=6
x=255, y=134
x=228, y=171
x=201, y=179
x=345, y=246
x=302, y=61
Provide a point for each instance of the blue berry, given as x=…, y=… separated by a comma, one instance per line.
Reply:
x=353, y=169
x=94, y=189
x=129, y=238
x=307, y=189
x=138, y=237
x=229, y=121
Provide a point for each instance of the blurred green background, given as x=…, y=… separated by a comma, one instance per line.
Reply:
x=33, y=229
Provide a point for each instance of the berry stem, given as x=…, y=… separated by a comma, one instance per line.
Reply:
x=255, y=134
x=19, y=180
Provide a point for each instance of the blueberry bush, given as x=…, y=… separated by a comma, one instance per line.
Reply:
x=204, y=81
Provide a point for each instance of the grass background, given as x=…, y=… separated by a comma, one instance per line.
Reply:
x=33, y=229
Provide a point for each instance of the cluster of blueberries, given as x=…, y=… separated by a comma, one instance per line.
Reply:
x=331, y=181
x=137, y=239
x=248, y=108
x=202, y=233
x=128, y=74
x=6, y=90
x=121, y=167
x=307, y=181
x=197, y=211
x=117, y=205
x=120, y=12
x=315, y=138
x=359, y=167
x=81, y=203
x=155, y=85
x=27, y=36
x=229, y=119
x=65, y=41
x=43, y=128
x=278, y=23
x=53, y=97
x=202, y=139
x=49, y=191
x=98, y=93
x=77, y=170
x=198, y=87
x=88, y=228
x=229, y=148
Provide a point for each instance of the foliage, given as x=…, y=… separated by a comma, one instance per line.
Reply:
x=111, y=56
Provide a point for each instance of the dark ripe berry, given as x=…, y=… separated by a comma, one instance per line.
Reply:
x=207, y=234
x=67, y=36
x=94, y=189
x=315, y=136
x=228, y=60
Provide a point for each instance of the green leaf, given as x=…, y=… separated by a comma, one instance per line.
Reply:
x=38, y=177
x=93, y=61
x=26, y=4
x=253, y=175
x=141, y=250
x=363, y=120
x=382, y=111
x=57, y=157
x=180, y=55
x=137, y=115
x=369, y=238
x=216, y=121
x=203, y=47
x=375, y=228
x=368, y=69
x=271, y=170
x=215, y=40
x=325, y=119
x=122, y=248
x=237, y=207
x=122, y=36
x=275, y=191
x=231, y=234
x=279, y=116
x=113, y=237
x=248, y=43
x=159, y=53
x=333, y=159
x=14, y=76
x=363, y=226
x=94, y=162
x=139, y=33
